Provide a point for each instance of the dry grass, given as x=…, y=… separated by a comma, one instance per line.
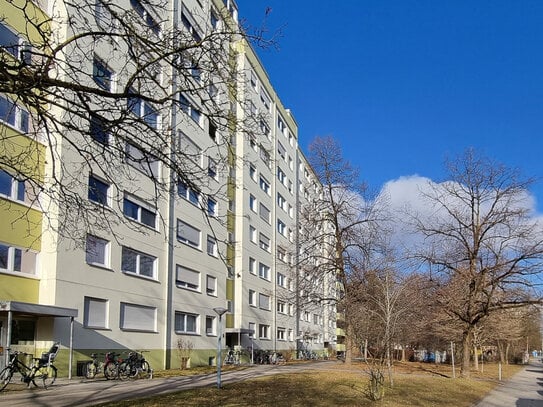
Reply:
x=415, y=384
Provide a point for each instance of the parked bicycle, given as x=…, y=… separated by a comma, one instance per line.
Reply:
x=111, y=365
x=41, y=370
x=135, y=366
x=94, y=367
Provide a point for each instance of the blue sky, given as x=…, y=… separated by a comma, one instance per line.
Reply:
x=404, y=84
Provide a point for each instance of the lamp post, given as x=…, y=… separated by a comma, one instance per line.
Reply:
x=220, y=312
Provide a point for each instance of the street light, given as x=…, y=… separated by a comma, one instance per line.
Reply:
x=220, y=311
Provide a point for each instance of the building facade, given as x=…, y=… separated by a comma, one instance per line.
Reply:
x=155, y=209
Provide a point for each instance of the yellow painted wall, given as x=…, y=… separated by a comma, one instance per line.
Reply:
x=14, y=288
x=10, y=11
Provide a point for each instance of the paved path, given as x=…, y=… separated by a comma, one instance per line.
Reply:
x=82, y=393
x=525, y=389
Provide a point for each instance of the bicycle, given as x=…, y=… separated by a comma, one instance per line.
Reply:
x=41, y=369
x=111, y=365
x=94, y=367
x=135, y=366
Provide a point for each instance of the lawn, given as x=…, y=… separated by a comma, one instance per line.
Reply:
x=415, y=384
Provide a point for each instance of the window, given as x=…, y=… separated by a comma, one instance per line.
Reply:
x=264, y=128
x=281, y=334
x=252, y=265
x=211, y=286
x=252, y=298
x=252, y=234
x=211, y=207
x=11, y=43
x=186, y=323
x=264, y=242
x=281, y=307
x=104, y=18
x=281, y=124
x=264, y=271
x=252, y=328
x=281, y=150
x=265, y=99
x=95, y=313
x=265, y=156
x=290, y=334
x=281, y=227
x=143, y=110
x=98, y=191
x=187, y=278
x=290, y=210
x=281, y=176
x=252, y=202
x=281, y=280
x=137, y=210
x=263, y=331
x=191, y=151
x=12, y=188
x=14, y=115
x=141, y=160
x=138, y=317
x=212, y=168
x=212, y=246
x=188, y=193
x=189, y=108
x=147, y=18
x=139, y=263
x=264, y=185
x=281, y=202
x=16, y=259
x=214, y=20
x=97, y=251
x=252, y=172
x=210, y=325
x=264, y=213
x=254, y=80
x=263, y=301
x=99, y=129
x=188, y=234
x=252, y=109
x=190, y=25
x=101, y=74
x=281, y=254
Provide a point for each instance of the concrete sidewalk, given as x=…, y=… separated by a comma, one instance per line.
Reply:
x=525, y=389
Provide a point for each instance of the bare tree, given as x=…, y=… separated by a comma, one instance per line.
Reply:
x=113, y=88
x=335, y=227
x=481, y=239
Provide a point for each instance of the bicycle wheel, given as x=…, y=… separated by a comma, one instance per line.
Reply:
x=90, y=370
x=5, y=377
x=146, y=370
x=47, y=374
x=111, y=371
x=125, y=370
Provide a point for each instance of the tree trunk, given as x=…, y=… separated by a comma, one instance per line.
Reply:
x=475, y=358
x=466, y=351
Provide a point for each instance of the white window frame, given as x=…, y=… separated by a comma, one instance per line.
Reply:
x=96, y=313
x=211, y=246
x=252, y=234
x=107, y=191
x=14, y=189
x=264, y=302
x=252, y=265
x=264, y=242
x=263, y=331
x=141, y=208
x=140, y=256
x=186, y=240
x=252, y=298
x=17, y=260
x=104, y=244
x=211, y=331
x=183, y=317
x=187, y=278
x=143, y=318
x=211, y=285
x=142, y=161
x=12, y=115
x=264, y=271
x=264, y=185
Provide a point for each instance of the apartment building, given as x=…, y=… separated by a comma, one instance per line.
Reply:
x=167, y=210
